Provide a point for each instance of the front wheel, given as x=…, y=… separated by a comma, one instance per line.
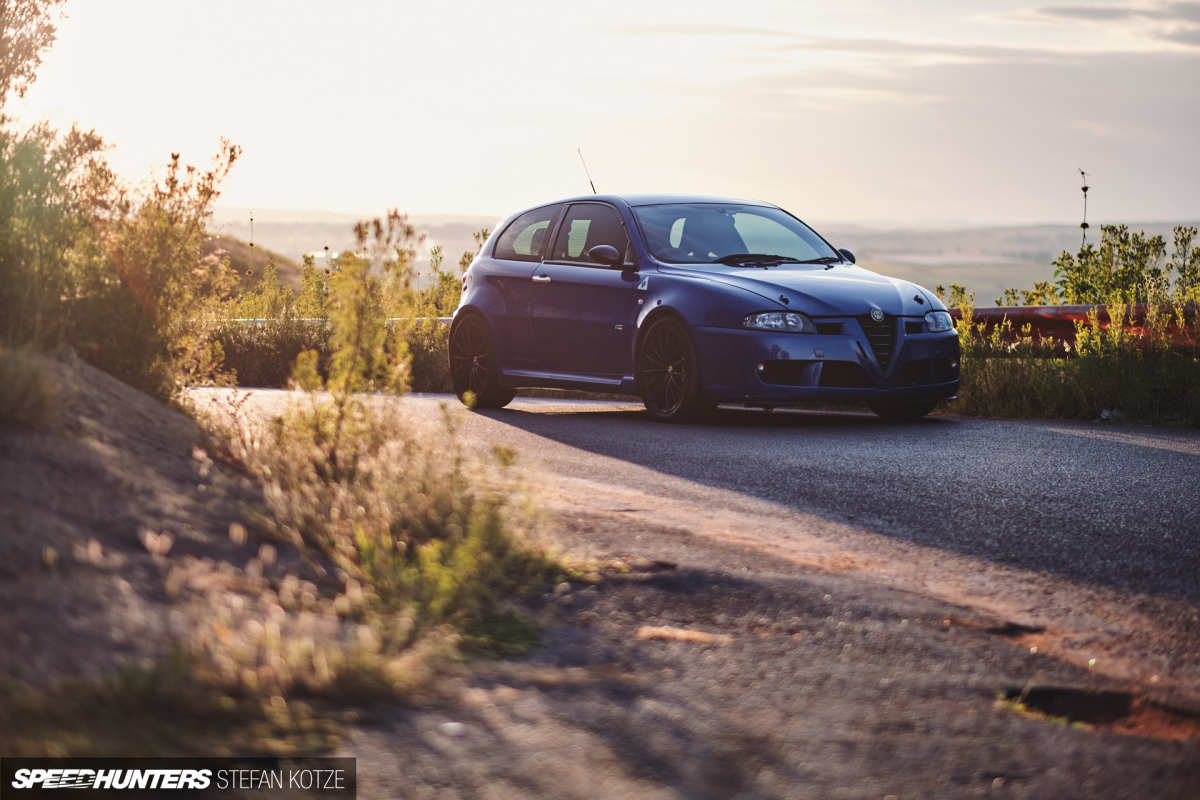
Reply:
x=900, y=410
x=473, y=368
x=667, y=373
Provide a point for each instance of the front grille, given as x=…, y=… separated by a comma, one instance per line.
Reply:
x=925, y=371
x=881, y=336
x=844, y=374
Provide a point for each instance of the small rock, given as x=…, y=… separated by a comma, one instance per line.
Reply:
x=561, y=589
x=453, y=729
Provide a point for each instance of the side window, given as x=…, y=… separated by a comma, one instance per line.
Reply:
x=587, y=225
x=525, y=238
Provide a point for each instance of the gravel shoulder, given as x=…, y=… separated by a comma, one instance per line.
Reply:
x=815, y=685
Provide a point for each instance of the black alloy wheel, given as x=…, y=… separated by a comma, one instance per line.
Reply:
x=900, y=410
x=473, y=369
x=666, y=372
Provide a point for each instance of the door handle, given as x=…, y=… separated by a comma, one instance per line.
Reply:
x=541, y=278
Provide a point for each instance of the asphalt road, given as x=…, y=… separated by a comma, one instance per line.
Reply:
x=1109, y=505
x=1090, y=531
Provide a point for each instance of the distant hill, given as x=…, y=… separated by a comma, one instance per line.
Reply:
x=295, y=233
x=986, y=260
x=249, y=262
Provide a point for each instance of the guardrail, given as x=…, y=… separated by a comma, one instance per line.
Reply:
x=1058, y=322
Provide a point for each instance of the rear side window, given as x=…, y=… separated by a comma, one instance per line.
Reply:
x=587, y=225
x=525, y=238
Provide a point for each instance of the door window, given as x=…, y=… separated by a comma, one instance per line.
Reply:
x=587, y=225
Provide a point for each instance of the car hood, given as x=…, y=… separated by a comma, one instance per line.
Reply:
x=842, y=290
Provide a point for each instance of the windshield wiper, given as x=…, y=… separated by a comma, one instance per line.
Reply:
x=822, y=260
x=756, y=260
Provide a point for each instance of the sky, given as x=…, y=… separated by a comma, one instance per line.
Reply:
x=932, y=113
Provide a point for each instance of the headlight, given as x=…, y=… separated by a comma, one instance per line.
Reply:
x=785, y=321
x=938, y=321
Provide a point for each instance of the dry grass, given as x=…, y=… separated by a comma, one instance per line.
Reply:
x=1147, y=374
x=419, y=545
x=29, y=394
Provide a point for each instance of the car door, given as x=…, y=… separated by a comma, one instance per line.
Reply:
x=583, y=312
x=518, y=252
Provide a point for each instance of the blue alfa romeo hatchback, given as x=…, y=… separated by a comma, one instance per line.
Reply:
x=688, y=302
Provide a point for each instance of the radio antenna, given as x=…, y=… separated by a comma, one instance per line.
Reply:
x=585, y=169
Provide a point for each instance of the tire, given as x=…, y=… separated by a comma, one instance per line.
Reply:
x=667, y=373
x=473, y=368
x=900, y=410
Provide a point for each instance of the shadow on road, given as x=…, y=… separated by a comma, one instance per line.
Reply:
x=1090, y=509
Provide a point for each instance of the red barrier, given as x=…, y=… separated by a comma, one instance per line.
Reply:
x=1058, y=322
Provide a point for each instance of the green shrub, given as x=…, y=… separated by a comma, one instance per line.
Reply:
x=263, y=354
x=29, y=394
x=427, y=341
x=422, y=536
x=119, y=276
x=1144, y=373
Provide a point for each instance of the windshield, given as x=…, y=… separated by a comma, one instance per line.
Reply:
x=706, y=233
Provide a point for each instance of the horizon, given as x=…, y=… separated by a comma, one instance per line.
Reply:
x=230, y=214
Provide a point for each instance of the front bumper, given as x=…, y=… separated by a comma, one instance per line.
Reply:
x=739, y=365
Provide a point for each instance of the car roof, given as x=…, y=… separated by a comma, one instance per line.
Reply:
x=658, y=199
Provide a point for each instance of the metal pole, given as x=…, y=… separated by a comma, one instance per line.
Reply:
x=1083, y=226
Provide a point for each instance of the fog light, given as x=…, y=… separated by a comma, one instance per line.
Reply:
x=761, y=366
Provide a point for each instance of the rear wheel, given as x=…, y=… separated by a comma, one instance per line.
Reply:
x=899, y=410
x=667, y=374
x=473, y=368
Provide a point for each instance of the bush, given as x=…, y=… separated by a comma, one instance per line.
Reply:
x=1142, y=373
x=121, y=277
x=420, y=536
x=263, y=353
x=29, y=394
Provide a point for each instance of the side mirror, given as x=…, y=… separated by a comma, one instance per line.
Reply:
x=604, y=254
x=846, y=254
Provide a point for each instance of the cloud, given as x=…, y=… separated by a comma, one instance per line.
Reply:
x=1173, y=22
x=1184, y=12
x=976, y=53
x=1090, y=13
x=810, y=97
x=700, y=29
x=1189, y=36
x=1164, y=12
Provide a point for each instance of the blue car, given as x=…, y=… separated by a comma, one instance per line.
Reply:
x=688, y=302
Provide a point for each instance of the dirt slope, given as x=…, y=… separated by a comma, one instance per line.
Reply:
x=81, y=508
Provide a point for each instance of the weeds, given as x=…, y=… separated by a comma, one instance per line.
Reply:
x=29, y=394
x=417, y=541
x=1111, y=369
x=155, y=711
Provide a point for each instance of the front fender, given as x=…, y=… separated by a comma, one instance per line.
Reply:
x=700, y=302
